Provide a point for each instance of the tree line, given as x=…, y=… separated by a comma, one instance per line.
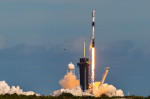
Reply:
x=67, y=96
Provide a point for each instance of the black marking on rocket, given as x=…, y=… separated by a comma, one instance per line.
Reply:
x=93, y=23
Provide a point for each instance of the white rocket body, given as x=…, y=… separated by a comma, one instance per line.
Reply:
x=93, y=28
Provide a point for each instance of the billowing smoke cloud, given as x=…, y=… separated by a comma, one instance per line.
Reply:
x=106, y=89
x=6, y=89
x=69, y=81
x=71, y=85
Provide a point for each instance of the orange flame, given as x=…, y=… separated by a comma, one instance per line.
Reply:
x=92, y=64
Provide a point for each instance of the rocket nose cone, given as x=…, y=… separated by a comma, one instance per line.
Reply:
x=93, y=10
x=93, y=13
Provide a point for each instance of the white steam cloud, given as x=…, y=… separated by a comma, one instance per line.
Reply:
x=6, y=89
x=71, y=85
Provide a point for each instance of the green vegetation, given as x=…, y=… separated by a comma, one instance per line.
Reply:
x=68, y=96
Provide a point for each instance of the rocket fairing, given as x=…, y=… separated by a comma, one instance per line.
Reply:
x=93, y=28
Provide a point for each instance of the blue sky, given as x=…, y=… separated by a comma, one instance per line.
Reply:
x=34, y=33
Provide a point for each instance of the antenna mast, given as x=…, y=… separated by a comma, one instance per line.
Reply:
x=84, y=49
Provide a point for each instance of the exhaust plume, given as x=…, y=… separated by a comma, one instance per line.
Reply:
x=92, y=65
x=106, y=89
x=71, y=85
x=69, y=81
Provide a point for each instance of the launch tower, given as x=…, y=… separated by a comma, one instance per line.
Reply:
x=84, y=71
